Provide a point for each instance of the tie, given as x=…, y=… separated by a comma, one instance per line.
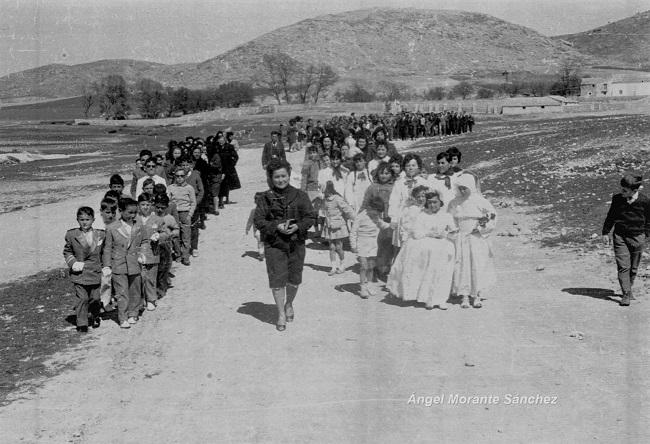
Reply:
x=409, y=183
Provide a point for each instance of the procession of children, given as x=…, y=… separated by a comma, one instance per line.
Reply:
x=426, y=237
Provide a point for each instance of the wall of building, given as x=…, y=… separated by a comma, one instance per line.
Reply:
x=531, y=109
x=629, y=89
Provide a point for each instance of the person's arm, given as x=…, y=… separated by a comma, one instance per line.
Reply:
x=394, y=205
x=610, y=219
x=192, y=201
x=307, y=214
x=68, y=253
x=262, y=220
x=346, y=209
x=200, y=191
x=249, y=222
x=134, y=183
x=138, y=188
x=108, y=248
x=354, y=234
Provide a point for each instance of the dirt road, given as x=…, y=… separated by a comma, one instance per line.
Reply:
x=208, y=365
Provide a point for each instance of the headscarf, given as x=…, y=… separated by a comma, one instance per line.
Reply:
x=465, y=180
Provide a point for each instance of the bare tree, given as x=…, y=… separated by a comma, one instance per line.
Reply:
x=393, y=90
x=114, y=97
x=89, y=93
x=325, y=78
x=280, y=72
x=306, y=78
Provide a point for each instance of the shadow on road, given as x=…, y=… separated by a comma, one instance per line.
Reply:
x=596, y=293
x=254, y=254
x=266, y=313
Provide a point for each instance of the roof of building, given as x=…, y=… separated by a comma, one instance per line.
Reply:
x=630, y=78
x=530, y=101
x=592, y=80
x=563, y=99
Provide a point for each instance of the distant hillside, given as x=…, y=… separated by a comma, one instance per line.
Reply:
x=371, y=44
x=625, y=42
x=66, y=81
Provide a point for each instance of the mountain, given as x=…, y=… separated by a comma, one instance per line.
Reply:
x=370, y=44
x=625, y=43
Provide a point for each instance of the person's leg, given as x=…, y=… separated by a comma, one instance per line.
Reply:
x=163, y=272
x=279, y=297
x=363, y=277
x=149, y=276
x=81, y=310
x=135, y=297
x=333, y=255
x=622, y=255
x=194, y=233
x=341, y=255
x=94, y=304
x=370, y=273
x=184, y=217
x=635, y=246
x=296, y=262
x=121, y=286
x=292, y=291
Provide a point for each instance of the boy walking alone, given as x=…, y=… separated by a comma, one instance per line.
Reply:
x=629, y=215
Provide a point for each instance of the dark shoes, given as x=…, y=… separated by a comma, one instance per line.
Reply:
x=625, y=300
x=95, y=321
x=185, y=262
x=82, y=329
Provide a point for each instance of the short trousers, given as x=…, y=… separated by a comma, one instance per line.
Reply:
x=285, y=267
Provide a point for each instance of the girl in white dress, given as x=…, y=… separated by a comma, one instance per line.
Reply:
x=357, y=183
x=424, y=267
x=476, y=219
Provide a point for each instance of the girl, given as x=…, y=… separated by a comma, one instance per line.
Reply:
x=443, y=181
x=380, y=156
x=337, y=174
x=396, y=166
x=476, y=218
x=381, y=188
x=173, y=158
x=424, y=268
x=256, y=232
x=283, y=216
x=324, y=174
x=357, y=183
x=402, y=191
x=337, y=211
x=229, y=158
x=363, y=239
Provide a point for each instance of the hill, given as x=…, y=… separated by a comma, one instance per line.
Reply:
x=368, y=44
x=59, y=80
x=625, y=42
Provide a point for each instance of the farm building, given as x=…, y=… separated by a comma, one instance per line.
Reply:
x=531, y=105
x=620, y=85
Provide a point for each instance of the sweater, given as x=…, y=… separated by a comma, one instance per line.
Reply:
x=184, y=197
x=628, y=219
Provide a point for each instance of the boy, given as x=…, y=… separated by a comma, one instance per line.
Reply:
x=183, y=195
x=116, y=183
x=82, y=253
x=629, y=215
x=150, y=168
x=152, y=228
x=193, y=178
x=108, y=211
x=171, y=229
x=120, y=260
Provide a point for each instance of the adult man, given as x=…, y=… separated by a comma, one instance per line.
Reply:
x=272, y=150
x=150, y=173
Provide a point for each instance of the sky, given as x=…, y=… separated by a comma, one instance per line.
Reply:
x=39, y=32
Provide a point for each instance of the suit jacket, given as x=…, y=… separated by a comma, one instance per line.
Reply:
x=121, y=250
x=269, y=153
x=77, y=249
x=150, y=251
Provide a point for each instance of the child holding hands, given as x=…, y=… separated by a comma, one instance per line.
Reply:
x=363, y=239
x=335, y=230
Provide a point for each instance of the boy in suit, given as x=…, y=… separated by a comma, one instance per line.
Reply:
x=153, y=232
x=120, y=260
x=629, y=215
x=82, y=253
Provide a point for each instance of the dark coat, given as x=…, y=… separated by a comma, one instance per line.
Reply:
x=229, y=159
x=275, y=207
x=269, y=153
x=77, y=249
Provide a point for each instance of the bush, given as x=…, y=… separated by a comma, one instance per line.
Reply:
x=484, y=93
x=355, y=94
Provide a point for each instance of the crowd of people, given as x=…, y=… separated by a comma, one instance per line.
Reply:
x=426, y=236
x=405, y=125
x=127, y=266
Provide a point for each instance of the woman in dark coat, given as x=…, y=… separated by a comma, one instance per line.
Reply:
x=283, y=214
x=204, y=169
x=229, y=158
